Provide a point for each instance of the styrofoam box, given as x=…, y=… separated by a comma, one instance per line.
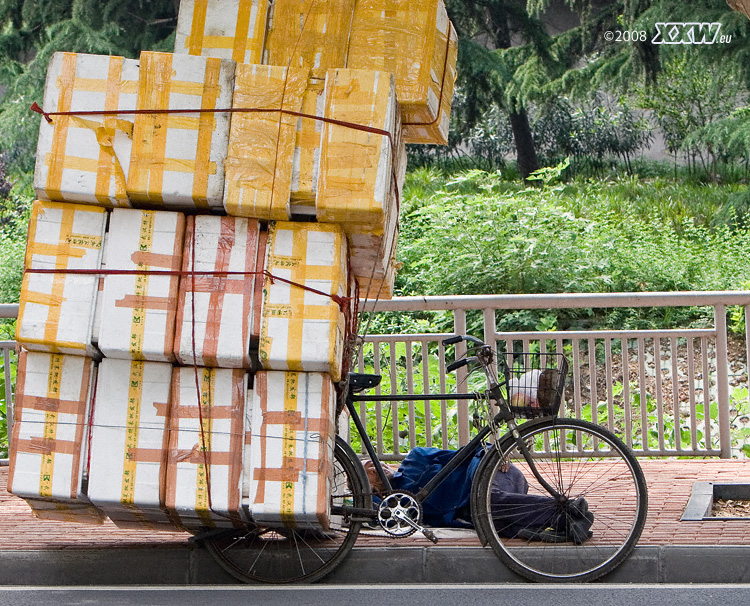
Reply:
x=177, y=160
x=224, y=305
x=293, y=435
x=303, y=330
x=87, y=158
x=56, y=311
x=129, y=442
x=48, y=448
x=228, y=29
x=204, y=472
x=139, y=311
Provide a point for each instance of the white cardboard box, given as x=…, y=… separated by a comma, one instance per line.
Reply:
x=177, y=160
x=129, y=438
x=48, y=447
x=292, y=442
x=204, y=472
x=228, y=29
x=87, y=158
x=56, y=311
x=303, y=330
x=139, y=311
x=224, y=305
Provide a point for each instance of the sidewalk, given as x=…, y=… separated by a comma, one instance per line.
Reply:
x=40, y=552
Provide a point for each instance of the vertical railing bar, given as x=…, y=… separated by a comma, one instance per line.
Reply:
x=608, y=375
x=706, y=386
x=464, y=427
x=644, y=392
x=659, y=398
x=747, y=346
x=489, y=326
x=677, y=409
x=426, y=389
x=394, y=389
x=626, y=404
x=443, y=403
x=592, y=380
x=410, y=389
x=9, y=403
x=559, y=349
x=576, y=378
x=722, y=380
x=691, y=393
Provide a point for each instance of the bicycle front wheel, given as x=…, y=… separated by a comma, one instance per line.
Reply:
x=293, y=555
x=581, y=537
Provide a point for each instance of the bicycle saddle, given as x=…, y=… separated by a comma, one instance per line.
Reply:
x=359, y=382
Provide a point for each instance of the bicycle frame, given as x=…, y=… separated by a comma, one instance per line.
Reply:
x=464, y=452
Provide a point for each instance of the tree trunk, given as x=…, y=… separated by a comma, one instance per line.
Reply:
x=525, y=150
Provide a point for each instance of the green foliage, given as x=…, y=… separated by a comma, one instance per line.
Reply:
x=692, y=94
x=474, y=232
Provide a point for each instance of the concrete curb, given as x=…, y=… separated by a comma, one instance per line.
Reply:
x=191, y=565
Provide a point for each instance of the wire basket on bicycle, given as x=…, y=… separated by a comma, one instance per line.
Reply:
x=534, y=382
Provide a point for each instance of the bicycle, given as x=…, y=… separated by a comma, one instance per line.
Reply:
x=580, y=470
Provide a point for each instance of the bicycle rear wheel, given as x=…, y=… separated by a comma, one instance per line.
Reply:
x=292, y=555
x=538, y=537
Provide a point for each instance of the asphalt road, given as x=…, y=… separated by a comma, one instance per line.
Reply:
x=385, y=595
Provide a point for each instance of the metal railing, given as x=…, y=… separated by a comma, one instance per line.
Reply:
x=7, y=349
x=665, y=392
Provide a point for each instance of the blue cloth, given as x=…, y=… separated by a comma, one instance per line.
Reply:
x=449, y=504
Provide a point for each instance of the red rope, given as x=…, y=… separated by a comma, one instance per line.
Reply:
x=342, y=302
x=230, y=110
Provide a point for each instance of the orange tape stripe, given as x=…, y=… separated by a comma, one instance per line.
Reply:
x=241, y=30
x=52, y=325
x=198, y=30
x=207, y=121
x=60, y=136
x=106, y=166
x=227, y=240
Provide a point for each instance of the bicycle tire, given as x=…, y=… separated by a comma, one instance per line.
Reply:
x=579, y=459
x=288, y=555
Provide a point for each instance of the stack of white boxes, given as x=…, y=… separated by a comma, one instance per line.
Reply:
x=236, y=195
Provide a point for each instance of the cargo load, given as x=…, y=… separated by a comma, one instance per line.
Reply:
x=128, y=442
x=303, y=330
x=206, y=441
x=48, y=446
x=177, y=159
x=216, y=313
x=139, y=310
x=56, y=310
x=293, y=435
x=86, y=159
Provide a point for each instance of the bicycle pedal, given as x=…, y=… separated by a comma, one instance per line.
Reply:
x=425, y=531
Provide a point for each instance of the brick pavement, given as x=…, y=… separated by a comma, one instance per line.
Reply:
x=669, y=483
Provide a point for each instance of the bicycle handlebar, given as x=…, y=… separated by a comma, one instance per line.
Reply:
x=457, y=364
x=459, y=338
